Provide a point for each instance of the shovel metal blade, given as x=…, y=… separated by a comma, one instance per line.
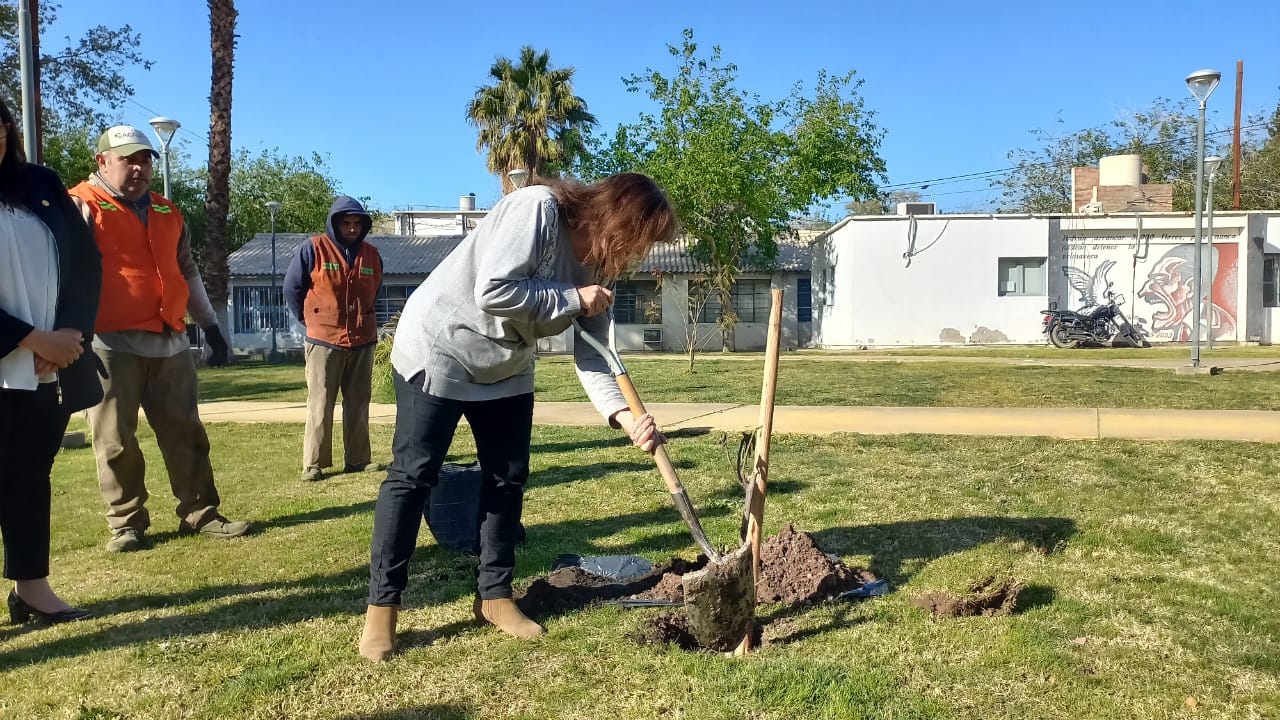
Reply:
x=720, y=600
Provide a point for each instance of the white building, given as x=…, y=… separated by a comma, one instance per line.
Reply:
x=433, y=223
x=979, y=279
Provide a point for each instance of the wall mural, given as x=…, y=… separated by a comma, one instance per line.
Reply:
x=1159, y=292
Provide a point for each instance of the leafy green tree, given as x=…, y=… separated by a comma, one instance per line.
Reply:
x=529, y=117
x=78, y=80
x=1041, y=179
x=740, y=169
x=70, y=152
x=1164, y=135
x=1259, y=173
x=304, y=187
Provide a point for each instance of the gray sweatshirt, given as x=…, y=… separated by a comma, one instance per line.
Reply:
x=472, y=326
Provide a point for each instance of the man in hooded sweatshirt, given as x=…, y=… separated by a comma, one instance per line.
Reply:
x=331, y=286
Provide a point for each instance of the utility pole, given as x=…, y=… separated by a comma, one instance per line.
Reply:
x=1235, y=140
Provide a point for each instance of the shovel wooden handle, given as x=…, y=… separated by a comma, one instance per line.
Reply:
x=668, y=471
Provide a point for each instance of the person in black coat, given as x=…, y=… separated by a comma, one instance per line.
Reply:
x=50, y=278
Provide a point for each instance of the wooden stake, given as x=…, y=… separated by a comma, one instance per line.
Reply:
x=760, y=476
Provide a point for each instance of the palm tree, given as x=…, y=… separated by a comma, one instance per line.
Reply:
x=529, y=117
x=222, y=29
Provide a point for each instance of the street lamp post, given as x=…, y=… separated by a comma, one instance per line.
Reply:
x=273, y=207
x=165, y=128
x=1211, y=168
x=1201, y=83
x=519, y=177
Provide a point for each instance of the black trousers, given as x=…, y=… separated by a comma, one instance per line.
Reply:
x=425, y=425
x=31, y=427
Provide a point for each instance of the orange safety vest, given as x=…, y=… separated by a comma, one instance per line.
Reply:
x=339, y=307
x=142, y=284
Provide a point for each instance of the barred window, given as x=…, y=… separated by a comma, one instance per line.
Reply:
x=257, y=310
x=804, y=300
x=636, y=302
x=391, y=300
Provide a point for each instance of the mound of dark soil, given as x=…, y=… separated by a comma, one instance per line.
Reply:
x=572, y=588
x=795, y=571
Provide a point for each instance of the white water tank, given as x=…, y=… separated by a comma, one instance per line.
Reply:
x=467, y=202
x=1120, y=170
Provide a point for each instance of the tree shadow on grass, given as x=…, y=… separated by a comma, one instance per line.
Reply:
x=421, y=712
x=332, y=512
x=892, y=545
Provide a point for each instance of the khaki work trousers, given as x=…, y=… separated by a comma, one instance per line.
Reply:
x=330, y=370
x=165, y=388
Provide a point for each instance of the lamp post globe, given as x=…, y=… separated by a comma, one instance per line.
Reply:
x=165, y=128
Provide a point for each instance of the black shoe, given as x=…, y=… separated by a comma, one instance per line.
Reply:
x=20, y=612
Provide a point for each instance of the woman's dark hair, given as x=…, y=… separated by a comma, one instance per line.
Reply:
x=622, y=216
x=13, y=163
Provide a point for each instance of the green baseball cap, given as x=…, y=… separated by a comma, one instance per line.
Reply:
x=124, y=140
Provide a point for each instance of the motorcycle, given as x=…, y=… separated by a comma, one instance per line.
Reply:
x=1103, y=325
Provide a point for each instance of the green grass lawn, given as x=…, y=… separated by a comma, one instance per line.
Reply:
x=805, y=381
x=811, y=381
x=254, y=381
x=1150, y=569
x=1048, y=352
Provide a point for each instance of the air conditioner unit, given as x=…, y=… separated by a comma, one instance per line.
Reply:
x=653, y=338
x=917, y=208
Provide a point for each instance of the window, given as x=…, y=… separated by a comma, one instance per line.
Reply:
x=636, y=302
x=1271, y=280
x=804, y=300
x=1022, y=276
x=704, y=302
x=257, y=310
x=391, y=300
x=750, y=301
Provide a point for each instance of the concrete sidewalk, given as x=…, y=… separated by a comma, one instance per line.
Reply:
x=1086, y=423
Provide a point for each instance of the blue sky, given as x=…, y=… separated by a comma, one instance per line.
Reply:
x=379, y=88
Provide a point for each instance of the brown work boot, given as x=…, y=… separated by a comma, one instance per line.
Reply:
x=503, y=613
x=378, y=640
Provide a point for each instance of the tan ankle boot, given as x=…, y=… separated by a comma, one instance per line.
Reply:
x=378, y=640
x=504, y=614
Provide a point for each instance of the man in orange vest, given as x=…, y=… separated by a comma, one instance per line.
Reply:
x=150, y=282
x=331, y=286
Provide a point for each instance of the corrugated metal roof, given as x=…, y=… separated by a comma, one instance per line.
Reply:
x=674, y=257
x=401, y=254
x=419, y=255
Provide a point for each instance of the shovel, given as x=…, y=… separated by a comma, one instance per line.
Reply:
x=719, y=599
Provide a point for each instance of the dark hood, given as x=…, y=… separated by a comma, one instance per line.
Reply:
x=345, y=205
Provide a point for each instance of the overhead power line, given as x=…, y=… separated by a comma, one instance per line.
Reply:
x=991, y=174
